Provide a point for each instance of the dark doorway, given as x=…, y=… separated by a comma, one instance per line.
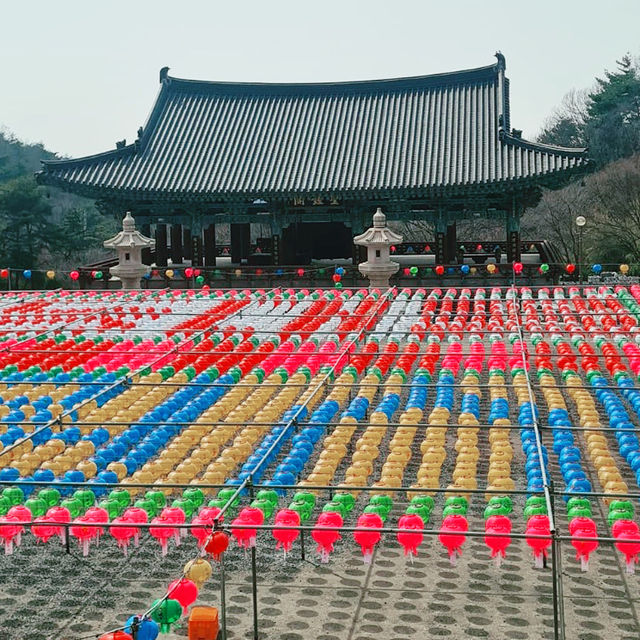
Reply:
x=306, y=241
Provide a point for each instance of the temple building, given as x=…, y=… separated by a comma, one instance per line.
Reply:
x=312, y=162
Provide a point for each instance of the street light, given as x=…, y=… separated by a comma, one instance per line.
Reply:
x=580, y=222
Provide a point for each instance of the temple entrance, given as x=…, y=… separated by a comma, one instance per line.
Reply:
x=306, y=241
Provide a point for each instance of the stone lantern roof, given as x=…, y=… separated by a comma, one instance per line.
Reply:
x=129, y=237
x=379, y=234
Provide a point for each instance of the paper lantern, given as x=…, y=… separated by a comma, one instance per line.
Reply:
x=286, y=537
x=188, y=272
x=51, y=274
x=570, y=268
x=464, y=269
x=439, y=270
x=410, y=541
x=517, y=267
x=116, y=635
x=544, y=267
x=336, y=277
x=145, y=628
x=340, y=271
x=452, y=535
x=491, y=267
x=300, y=272
x=165, y=613
x=499, y=526
x=27, y=274
x=406, y=271
x=4, y=273
x=624, y=269
x=238, y=273
x=597, y=269
x=200, y=279
x=74, y=275
x=217, y=544
x=169, y=273
x=98, y=275
x=324, y=537
x=184, y=591
x=413, y=271
x=198, y=571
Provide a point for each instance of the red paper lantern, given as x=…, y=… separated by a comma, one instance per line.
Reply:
x=286, y=537
x=326, y=538
x=336, y=277
x=259, y=272
x=406, y=271
x=517, y=267
x=300, y=272
x=439, y=269
x=410, y=541
x=4, y=273
x=368, y=539
x=217, y=545
x=115, y=635
x=74, y=275
x=184, y=591
x=570, y=268
x=188, y=272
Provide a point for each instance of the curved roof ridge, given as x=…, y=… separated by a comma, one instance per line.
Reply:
x=95, y=157
x=541, y=146
x=435, y=79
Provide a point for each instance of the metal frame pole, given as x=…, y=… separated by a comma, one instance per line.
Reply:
x=254, y=572
x=223, y=599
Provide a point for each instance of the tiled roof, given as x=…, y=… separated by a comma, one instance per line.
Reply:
x=218, y=140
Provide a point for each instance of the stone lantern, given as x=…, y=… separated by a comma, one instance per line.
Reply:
x=378, y=240
x=129, y=244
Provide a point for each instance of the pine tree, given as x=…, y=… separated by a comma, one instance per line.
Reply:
x=613, y=114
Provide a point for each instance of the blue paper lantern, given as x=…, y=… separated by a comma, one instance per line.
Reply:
x=465, y=269
x=27, y=274
x=596, y=268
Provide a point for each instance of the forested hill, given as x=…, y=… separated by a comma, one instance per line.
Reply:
x=19, y=159
x=44, y=228
x=606, y=119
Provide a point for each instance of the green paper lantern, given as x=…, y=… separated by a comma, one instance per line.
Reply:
x=165, y=613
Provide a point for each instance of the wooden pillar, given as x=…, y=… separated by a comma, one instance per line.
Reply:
x=450, y=243
x=209, y=248
x=514, y=252
x=275, y=248
x=440, y=236
x=240, y=242
x=161, y=245
x=186, y=243
x=145, y=230
x=176, y=243
x=196, y=250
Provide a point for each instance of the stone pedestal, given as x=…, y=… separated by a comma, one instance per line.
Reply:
x=378, y=240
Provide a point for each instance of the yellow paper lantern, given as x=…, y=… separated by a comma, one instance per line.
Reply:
x=169, y=273
x=491, y=267
x=51, y=274
x=624, y=268
x=238, y=272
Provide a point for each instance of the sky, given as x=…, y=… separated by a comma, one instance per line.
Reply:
x=78, y=75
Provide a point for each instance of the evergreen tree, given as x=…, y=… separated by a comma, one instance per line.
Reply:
x=25, y=223
x=613, y=114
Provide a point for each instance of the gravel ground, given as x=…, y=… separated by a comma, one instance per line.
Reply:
x=48, y=594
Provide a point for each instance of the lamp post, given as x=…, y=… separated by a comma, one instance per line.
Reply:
x=580, y=222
